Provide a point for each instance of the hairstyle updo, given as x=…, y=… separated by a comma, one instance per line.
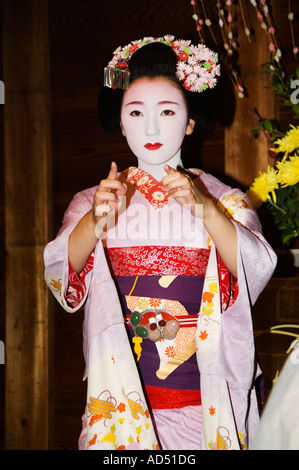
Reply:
x=152, y=61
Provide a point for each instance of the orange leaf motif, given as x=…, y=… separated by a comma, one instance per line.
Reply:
x=203, y=335
x=94, y=419
x=93, y=440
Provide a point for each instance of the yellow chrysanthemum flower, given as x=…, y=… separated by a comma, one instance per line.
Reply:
x=288, y=171
x=289, y=142
x=265, y=184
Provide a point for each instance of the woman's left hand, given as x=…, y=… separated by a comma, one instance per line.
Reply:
x=193, y=193
x=184, y=190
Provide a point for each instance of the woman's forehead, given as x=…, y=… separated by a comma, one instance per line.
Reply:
x=159, y=90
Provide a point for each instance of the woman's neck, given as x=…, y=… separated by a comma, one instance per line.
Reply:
x=157, y=171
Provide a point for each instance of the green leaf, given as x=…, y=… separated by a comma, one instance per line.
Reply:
x=267, y=124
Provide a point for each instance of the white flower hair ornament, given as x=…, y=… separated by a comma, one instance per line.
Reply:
x=197, y=66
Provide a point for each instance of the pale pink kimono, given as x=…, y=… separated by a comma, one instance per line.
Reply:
x=228, y=416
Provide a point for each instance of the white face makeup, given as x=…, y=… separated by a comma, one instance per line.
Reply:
x=154, y=120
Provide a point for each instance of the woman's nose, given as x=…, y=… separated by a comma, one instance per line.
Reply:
x=152, y=127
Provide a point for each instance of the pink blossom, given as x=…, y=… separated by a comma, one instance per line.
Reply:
x=260, y=16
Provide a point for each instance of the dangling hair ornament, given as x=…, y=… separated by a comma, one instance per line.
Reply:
x=197, y=67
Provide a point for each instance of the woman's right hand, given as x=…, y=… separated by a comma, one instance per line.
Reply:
x=106, y=198
x=90, y=228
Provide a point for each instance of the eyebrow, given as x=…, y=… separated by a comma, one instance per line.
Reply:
x=134, y=102
x=168, y=102
x=160, y=103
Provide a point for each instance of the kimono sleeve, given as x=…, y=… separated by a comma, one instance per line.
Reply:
x=57, y=266
x=256, y=258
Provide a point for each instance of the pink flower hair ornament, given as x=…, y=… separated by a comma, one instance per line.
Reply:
x=197, y=66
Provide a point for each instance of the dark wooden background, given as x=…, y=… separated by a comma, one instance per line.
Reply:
x=82, y=34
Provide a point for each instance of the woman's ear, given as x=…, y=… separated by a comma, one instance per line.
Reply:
x=122, y=129
x=190, y=127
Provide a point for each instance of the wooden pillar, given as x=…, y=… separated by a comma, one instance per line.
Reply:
x=27, y=204
x=246, y=153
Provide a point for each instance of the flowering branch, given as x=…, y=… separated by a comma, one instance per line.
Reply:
x=269, y=128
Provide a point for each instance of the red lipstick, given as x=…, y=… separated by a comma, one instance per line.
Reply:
x=155, y=146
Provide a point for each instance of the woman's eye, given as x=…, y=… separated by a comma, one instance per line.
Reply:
x=167, y=112
x=135, y=113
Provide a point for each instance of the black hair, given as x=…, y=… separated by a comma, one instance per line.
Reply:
x=152, y=61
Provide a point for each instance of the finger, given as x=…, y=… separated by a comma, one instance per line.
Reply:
x=172, y=175
x=172, y=184
x=169, y=169
x=181, y=193
x=122, y=190
x=113, y=171
x=187, y=174
x=110, y=185
x=108, y=196
x=103, y=210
